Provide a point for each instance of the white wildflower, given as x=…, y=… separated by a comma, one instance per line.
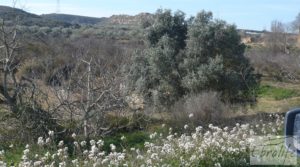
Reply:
x=100, y=143
x=75, y=162
x=94, y=149
x=92, y=142
x=48, y=140
x=76, y=144
x=83, y=143
x=112, y=147
x=217, y=165
x=186, y=126
x=37, y=163
x=61, y=143
x=40, y=141
x=51, y=133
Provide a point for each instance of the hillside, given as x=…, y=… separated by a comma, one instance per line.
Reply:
x=74, y=19
x=67, y=20
x=28, y=19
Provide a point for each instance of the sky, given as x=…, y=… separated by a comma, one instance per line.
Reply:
x=246, y=14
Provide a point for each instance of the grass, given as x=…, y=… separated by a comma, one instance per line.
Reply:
x=132, y=139
x=277, y=93
x=276, y=97
x=13, y=155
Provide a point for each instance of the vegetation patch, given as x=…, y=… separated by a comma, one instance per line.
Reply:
x=200, y=147
x=13, y=155
x=276, y=92
x=126, y=140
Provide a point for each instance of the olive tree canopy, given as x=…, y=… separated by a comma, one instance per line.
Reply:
x=188, y=56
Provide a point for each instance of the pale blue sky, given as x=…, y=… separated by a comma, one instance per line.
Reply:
x=250, y=14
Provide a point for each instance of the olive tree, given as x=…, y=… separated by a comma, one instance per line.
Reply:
x=186, y=57
x=214, y=60
x=155, y=72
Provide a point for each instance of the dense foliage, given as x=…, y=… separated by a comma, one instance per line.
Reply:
x=189, y=56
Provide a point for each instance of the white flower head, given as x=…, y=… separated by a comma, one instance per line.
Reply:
x=100, y=143
x=61, y=143
x=37, y=163
x=76, y=144
x=92, y=142
x=112, y=147
x=75, y=161
x=83, y=143
x=94, y=149
x=40, y=141
x=217, y=165
x=26, y=151
x=51, y=133
x=48, y=140
x=186, y=126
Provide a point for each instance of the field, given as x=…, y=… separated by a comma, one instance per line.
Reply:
x=163, y=89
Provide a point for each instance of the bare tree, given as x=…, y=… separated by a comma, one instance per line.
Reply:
x=296, y=23
x=20, y=93
x=89, y=93
x=277, y=39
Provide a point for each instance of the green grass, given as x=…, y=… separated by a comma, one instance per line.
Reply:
x=132, y=139
x=276, y=92
x=13, y=155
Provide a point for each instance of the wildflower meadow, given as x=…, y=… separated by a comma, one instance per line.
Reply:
x=194, y=146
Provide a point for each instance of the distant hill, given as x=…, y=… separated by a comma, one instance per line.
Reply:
x=10, y=14
x=131, y=20
x=74, y=19
x=67, y=20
